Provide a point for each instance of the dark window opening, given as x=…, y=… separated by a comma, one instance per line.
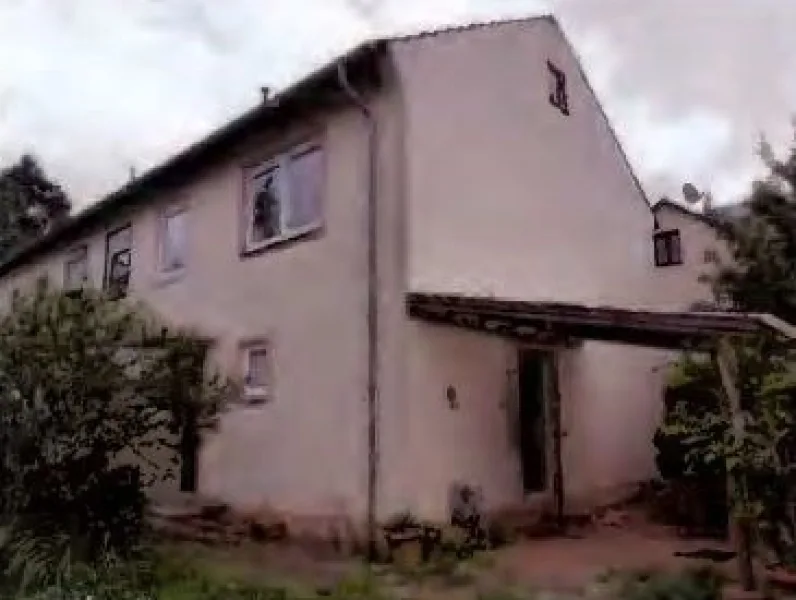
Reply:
x=558, y=88
x=667, y=248
x=119, y=274
x=266, y=217
x=118, y=262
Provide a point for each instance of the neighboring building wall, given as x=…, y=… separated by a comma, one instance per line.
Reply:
x=304, y=451
x=680, y=285
x=507, y=197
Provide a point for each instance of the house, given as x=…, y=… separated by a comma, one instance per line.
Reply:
x=687, y=247
x=370, y=250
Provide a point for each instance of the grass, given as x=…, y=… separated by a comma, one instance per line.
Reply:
x=176, y=574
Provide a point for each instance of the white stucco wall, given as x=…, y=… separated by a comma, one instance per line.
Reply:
x=472, y=444
x=507, y=197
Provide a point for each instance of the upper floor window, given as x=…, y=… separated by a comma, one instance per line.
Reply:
x=76, y=269
x=558, y=88
x=667, y=248
x=285, y=198
x=172, y=240
x=118, y=261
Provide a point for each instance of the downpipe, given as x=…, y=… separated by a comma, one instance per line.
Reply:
x=372, y=308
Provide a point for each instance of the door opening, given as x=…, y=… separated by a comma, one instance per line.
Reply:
x=531, y=368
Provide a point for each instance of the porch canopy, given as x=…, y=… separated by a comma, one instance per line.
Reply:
x=565, y=324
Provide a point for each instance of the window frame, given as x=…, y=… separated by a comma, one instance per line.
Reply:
x=107, y=259
x=669, y=260
x=70, y=259
x=281, y=162
x=257, y=394
x=42, y=283
x=162, y=229
x=710, y=256
x=558, y=92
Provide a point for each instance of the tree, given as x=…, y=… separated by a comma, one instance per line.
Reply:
x=761, y=277
x=756, y=448
x=91, y=390
x=30, y=203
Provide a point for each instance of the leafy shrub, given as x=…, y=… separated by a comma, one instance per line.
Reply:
x=696, y=444
x=90, y=390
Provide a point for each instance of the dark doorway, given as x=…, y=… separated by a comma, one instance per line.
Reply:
x=189, y=452
x=532, y=420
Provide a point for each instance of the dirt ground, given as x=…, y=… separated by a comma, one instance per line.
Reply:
x=569, y=563
x=564, y=565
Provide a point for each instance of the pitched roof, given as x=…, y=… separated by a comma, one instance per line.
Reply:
x=666, y=203
x=473, y=25
x=726, y=211
x=269, y=112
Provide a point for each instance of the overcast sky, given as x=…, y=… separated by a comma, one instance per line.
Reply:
x=95, y=87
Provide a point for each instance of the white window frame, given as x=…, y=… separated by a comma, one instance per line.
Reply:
x=163, y=216
x=72, y=257
x=281, y=163
x=257, y=393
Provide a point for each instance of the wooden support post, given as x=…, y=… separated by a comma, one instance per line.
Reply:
x=740, y=528
x=555, y=422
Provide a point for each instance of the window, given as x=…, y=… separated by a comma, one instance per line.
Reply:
x=667, y=248
x=285, y=198
x=257, y=374
x=76, y=269
x=711, y=257
x=558, y=88
x=173, y=239
x=42, y=284
x=118, y=262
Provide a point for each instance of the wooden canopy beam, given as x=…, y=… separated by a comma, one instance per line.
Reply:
x=568, y=323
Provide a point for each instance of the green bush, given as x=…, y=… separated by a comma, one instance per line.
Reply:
x=696, y=445
x=90, y=390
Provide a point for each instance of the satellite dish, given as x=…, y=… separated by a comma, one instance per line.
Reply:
x=691, y=194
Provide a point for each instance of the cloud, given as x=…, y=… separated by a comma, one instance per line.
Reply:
x=722, y=67
x=96, y=87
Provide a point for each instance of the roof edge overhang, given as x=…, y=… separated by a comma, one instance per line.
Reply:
x=306, y=94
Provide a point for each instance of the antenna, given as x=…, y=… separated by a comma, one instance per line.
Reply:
x=691, y=194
